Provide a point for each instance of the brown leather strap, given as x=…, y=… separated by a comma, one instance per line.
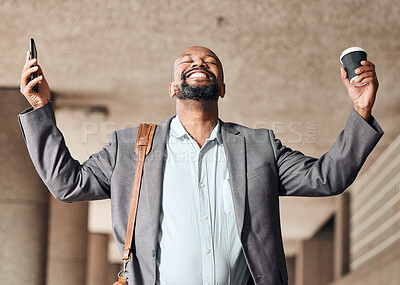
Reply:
x=144, y=140
x=121, y=281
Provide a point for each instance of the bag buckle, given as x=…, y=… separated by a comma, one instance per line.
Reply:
x=123, y=271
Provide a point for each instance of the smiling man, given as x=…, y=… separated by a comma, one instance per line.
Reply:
x=206, y=76
x=208, y=210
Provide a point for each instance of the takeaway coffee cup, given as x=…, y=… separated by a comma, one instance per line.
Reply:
x=351, y=59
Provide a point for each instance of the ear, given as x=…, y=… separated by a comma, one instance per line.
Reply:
x=171, y=89
x=222, y=95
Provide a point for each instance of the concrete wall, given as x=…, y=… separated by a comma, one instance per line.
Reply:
x=381, y=269
x=375, y=224
x=375, y=208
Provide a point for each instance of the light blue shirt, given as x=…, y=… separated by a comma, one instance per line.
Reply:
x=198, y=242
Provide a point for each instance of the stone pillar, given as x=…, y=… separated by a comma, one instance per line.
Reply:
x=67, y=243
x=69, y=221
x=291, y=265
x=23, y=201
x=97, y=265
x=314, y=262
x=341, y=254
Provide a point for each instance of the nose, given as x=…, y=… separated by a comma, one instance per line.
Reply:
x=199, y=63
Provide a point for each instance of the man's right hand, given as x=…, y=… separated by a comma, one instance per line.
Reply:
x=36, y=99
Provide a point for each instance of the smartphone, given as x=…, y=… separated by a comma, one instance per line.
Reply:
x=33, y=52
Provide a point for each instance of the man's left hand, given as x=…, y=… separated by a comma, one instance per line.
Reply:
x=363, y=97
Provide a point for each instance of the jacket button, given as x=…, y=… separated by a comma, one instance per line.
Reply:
x=154, y=253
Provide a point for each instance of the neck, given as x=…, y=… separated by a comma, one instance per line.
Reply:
x=198, y=117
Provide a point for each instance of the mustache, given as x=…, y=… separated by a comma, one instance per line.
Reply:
x=183, y=77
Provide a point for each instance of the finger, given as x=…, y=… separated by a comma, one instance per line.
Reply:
x=27, y=73
x=367, y=62
x=367, y=80
x=29, y=63
x=25, y=78
x=33, y=82
x=363, y=69
x=364, y=75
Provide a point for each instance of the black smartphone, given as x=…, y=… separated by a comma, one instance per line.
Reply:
x=33, y=52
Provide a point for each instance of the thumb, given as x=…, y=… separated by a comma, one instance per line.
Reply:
x=40, y=70
x=40, y=73
x=343, y=75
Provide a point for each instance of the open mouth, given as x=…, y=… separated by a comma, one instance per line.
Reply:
x=198, y=74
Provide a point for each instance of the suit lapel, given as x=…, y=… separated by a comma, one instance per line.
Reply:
x=235, y=151
x=153, y=175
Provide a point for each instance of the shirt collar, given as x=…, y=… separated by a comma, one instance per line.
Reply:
x=177, y=130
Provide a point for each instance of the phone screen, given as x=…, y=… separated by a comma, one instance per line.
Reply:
x=33, y=54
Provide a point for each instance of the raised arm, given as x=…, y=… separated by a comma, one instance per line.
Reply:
x=65, y=177
x=334, y=171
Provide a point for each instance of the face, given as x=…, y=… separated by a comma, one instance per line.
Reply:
x=197, y=74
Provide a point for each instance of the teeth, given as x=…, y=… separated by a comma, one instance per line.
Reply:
x=198, y=74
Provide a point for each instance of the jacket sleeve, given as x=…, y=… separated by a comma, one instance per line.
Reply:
x=66, y=178
x=333, y=172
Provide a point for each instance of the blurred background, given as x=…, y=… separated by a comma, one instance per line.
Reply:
x=108, y=65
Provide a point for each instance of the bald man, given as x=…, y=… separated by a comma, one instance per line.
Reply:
x=208, y=210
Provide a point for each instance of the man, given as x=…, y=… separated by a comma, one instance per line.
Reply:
x=208, y=210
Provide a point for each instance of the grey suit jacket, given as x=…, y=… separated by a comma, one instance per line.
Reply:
x=260, y=167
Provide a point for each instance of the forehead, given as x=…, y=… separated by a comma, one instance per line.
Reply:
x=196, y=52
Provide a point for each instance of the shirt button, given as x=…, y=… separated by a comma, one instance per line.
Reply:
x=205, y=217
x=208, y=250
x=202, y=185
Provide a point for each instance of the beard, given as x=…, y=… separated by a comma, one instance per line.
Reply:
x=208, y=92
